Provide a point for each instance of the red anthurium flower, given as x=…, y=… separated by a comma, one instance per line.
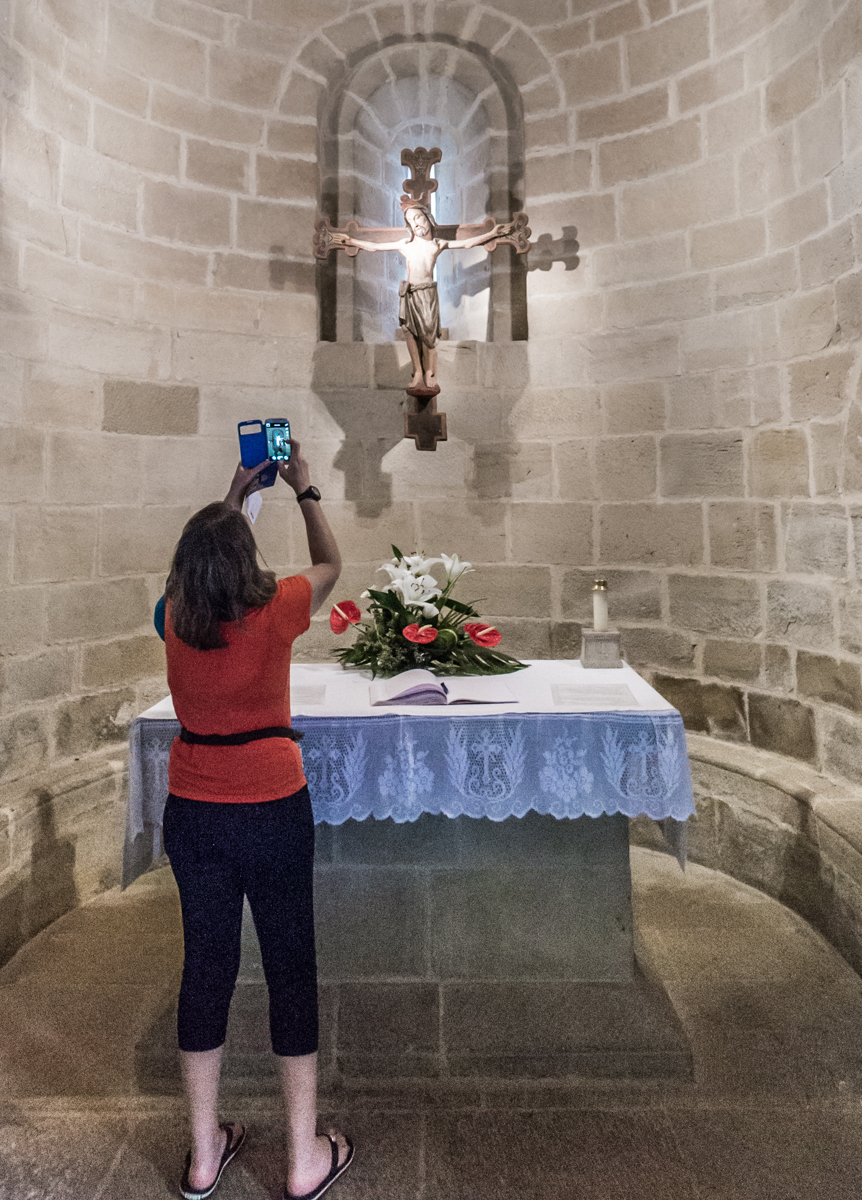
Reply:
x=420, y=633
x=483, y=635
x=343, y=614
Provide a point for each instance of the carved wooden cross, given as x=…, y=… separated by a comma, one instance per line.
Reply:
x=418, y=189
x=420, y=185
x=426, y=426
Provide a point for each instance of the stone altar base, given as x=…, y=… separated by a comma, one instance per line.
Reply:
x=461, y=950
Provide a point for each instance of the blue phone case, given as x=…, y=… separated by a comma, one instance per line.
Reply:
x=252, y=450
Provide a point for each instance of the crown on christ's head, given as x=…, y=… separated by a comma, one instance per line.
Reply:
x=407, y=205
x=411, y=207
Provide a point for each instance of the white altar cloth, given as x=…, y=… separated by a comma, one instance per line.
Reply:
x=575, y=743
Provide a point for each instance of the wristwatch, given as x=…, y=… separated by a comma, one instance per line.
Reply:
x=310, y=493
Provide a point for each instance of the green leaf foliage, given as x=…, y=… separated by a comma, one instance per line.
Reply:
x=457, y=606
x=387, y=600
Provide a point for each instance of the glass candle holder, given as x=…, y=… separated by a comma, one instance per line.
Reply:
x=600, y=605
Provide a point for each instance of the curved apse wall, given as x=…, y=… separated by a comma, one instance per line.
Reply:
x=684, y=414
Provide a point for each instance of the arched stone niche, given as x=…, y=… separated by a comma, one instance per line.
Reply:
x=410, y=92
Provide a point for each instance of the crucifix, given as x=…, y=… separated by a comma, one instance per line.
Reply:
x=421, y=244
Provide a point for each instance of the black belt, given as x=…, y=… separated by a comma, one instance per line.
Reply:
x=238, y=739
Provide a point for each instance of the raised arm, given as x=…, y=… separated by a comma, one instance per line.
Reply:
x=338, y=238
x=322, y=548
x=501, y=229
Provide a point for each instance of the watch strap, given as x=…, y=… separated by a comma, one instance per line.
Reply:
x=310, y=493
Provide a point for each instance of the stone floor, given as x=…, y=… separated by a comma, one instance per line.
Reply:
x=774, y=1112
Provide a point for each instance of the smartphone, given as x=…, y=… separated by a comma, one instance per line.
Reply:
x=277, y=438
x=264, y=442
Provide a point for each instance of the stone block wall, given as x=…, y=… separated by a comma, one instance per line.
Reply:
x=684, y=414
x=59, y=833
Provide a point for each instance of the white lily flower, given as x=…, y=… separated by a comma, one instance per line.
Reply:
x=419, y=565
x=415, y=591
x=454, y=567
x=395, y=572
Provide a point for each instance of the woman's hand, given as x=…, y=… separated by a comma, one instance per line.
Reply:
x=245, y=481
x=295, y=472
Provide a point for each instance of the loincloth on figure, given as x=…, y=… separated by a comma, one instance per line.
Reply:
x=419, y=311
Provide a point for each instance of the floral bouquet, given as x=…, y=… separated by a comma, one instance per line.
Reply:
x=413, y=622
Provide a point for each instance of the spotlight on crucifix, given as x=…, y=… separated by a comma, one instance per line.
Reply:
x=421, y=244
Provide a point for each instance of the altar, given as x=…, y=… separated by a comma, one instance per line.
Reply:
x=472, y=886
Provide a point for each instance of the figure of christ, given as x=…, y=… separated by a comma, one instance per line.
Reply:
x=419, y=305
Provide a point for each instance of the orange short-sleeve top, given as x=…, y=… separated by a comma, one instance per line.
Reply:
x=244, y=686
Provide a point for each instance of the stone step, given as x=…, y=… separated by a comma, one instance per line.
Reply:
x=493, y=1033
x=461, y=950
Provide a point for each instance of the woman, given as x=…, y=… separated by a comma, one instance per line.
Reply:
x=238, y=818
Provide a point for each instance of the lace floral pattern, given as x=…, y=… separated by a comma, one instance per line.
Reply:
x=405, y=778
x=565, y=774
x=395, y=766
x=336, y=769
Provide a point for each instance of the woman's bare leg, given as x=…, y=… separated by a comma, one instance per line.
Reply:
x=201, y=1070
x=309, y=1157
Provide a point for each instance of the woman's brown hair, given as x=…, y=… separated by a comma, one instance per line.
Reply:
x=215, y=577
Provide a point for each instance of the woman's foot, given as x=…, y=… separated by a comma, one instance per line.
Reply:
x=307, y=1177
x=206, y=1162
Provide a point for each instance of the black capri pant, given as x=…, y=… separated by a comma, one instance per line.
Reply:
x=220, y=853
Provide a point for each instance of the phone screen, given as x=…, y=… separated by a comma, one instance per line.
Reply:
x=277, y=436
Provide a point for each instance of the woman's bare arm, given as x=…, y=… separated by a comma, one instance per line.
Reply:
x=245, y=481
x=322, y=547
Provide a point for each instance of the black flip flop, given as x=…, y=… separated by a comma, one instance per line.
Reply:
x=334, y=1172
x=231, y=1150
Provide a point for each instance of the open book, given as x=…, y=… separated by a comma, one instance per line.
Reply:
x=423, y=687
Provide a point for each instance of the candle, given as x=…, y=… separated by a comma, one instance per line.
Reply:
x=600, y=606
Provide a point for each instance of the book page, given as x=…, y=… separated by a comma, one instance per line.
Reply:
x=479, y=689
x=593, y=697
x=410, y=687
